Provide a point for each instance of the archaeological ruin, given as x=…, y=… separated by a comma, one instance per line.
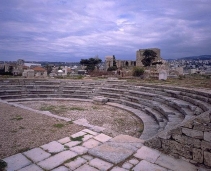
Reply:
x=177, y=121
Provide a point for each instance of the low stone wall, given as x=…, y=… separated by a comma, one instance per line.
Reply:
x=190, y=140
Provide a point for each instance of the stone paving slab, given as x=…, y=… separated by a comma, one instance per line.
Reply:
x=86, y=167
x=112, y=154
x=16, y=162
x=78, y=134
x=118, y=169
x=148, y=154
x=61, y=168
x=87, y=157
x=93, y=155
x=100, y=164
x=36, y=154
x=53, y=147
x=64, y=140
x=56, y=160
x=129, y=146
x=76, y=163
x=90, y=131
x=125, y=139
x=72, y=143
x=174, y=164
x=32, y=167
x=127, y=165
x=147, y=166
x=87, y=137
x=133, y=161
x=79, y=150
x=102, y=138
x=91, y=143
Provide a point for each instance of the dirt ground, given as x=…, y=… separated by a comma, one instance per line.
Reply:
x=21, y=130
x=115, y=120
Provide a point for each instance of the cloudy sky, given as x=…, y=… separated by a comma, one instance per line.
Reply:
x=69, y=30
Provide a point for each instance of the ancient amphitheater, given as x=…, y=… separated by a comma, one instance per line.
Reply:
x=176, y=135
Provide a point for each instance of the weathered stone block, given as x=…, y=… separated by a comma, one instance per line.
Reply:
x=205, y=145
x=177, y=131
x=203, y=118
x=155, y=143
x=187, y=140
x=207, y=136
x=188, y=124
x=202, y=127
x=182, y=150
x=193, y=133
x=100, y=100
x=207, y=158
x=165, y=135
x=166, y=146
x=197, y=155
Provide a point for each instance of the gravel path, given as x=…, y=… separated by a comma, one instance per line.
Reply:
x=22, y=129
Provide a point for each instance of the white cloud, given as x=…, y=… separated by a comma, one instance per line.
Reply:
x=85, y=28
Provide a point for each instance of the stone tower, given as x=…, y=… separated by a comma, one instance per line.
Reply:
x=139, y=55
x=109, y=62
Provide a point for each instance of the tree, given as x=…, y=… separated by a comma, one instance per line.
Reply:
x=137, y=71
x=90, y=63
x=48, y=68
x=149, y=56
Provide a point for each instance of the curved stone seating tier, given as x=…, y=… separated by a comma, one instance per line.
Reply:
x=167, y=106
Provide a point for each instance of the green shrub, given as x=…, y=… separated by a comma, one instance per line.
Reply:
x=113, y=68
x=79, y=77
x=3, y=164
x=137, y=71
x=58, y=125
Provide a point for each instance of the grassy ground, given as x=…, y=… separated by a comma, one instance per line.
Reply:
x=189, y=81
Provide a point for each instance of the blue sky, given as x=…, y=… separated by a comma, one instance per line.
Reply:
x=69, y=30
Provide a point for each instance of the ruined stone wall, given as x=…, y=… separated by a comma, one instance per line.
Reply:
x=109, y=62
x=190, y=140
x=125, y=63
